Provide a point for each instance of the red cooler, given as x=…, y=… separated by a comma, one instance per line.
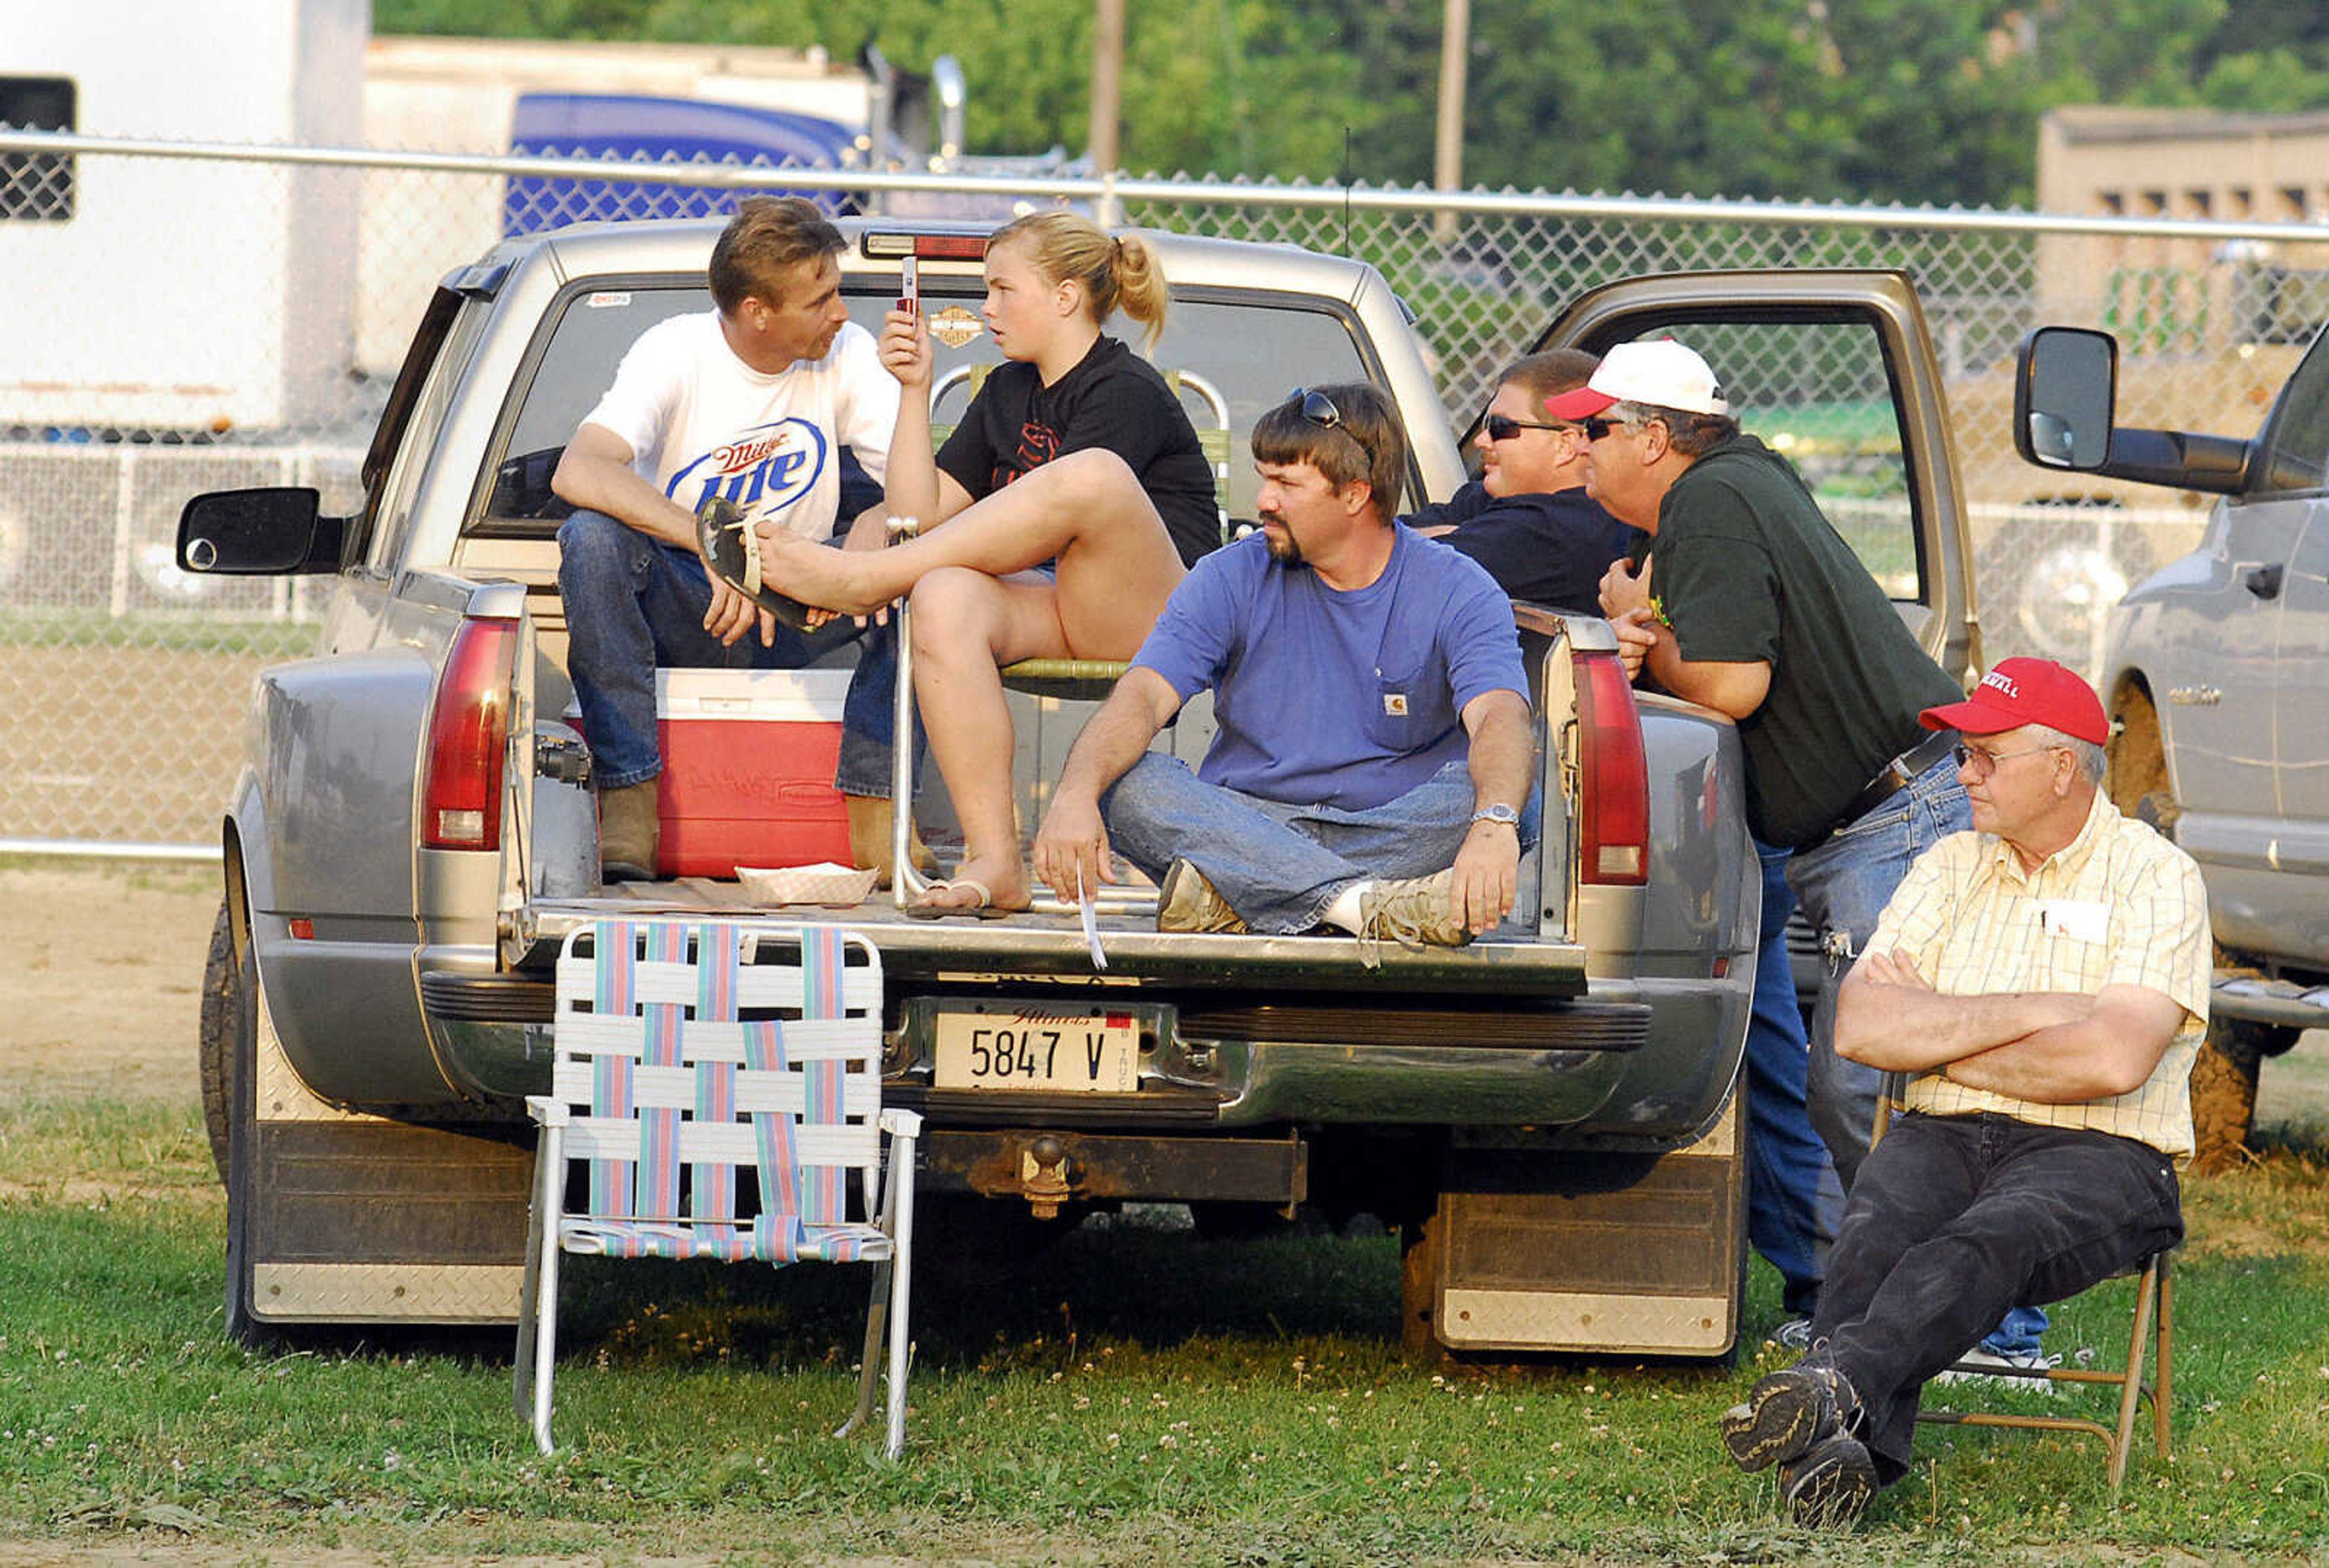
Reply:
x=747, y=758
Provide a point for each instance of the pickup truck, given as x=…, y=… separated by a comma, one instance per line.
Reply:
x=2216, y=674
x=1548, y=1115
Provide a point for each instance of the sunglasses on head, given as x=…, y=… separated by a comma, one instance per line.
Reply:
x=1504, y=427
x=1320, y=410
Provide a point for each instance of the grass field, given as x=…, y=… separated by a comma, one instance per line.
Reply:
x=1132, y=1395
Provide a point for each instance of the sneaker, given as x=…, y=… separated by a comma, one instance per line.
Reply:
x=1186, y=901
x=1410, y=911
x=1828, y=1488
x=1786, y=1415
x=2023, y=1369
x=1795, y=1333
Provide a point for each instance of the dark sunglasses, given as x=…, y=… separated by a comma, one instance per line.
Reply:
x=1320, y=410
x=1503, y=428
x=1596, y=427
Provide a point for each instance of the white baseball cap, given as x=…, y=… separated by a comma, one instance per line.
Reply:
x=1659, y=372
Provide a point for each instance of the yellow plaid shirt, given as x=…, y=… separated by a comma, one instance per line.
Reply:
x=2117, y=906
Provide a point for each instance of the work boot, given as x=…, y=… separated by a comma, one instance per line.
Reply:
x=873, y=825
x=629, y=834
x=1412, y=910
x=1186, y=901
x=1787, y=1413
x=1829, y=1488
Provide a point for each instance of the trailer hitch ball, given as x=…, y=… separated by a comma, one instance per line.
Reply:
x=1044, y=1176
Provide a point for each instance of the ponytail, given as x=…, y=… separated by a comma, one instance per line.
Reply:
x=1117, y=273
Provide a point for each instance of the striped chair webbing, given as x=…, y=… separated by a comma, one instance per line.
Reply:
x=636, y=1187
x=794, y=1196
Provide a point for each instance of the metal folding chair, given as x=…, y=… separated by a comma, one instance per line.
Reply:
x=2154, y=1330
x=689, y=1054
x=2153, y=1333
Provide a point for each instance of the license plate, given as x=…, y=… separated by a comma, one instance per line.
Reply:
x=1088, y=1053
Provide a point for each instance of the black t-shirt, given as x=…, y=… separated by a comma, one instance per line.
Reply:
x=1748, y=569
x=1547, y=549
x=1113, y=398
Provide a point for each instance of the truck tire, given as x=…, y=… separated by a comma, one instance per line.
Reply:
x=2134, y=772
x=222, y=996
x=235, y=1065
x=2224, y=1090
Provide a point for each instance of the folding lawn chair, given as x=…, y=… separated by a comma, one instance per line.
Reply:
x=688, y=1053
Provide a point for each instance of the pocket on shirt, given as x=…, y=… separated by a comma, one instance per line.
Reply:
x=1411, y=711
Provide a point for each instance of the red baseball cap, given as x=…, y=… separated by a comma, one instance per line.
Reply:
x=2018, y=691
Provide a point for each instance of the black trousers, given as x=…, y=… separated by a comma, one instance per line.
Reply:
x=1957, y=1218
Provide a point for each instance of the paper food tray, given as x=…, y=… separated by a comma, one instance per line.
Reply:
x=824, y=882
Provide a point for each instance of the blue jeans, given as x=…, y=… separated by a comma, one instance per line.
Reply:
x=869, y=720
x=1280, y=866
x=1844, y=883
x=1957, y=1218
x=634, y=604
x=1793, y=1198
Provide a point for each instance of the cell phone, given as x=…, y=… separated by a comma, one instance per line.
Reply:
x=909, y=286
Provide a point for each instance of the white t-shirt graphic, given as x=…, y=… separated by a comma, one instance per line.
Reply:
x=701, y=422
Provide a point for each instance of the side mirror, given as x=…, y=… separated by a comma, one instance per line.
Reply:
x=2065, y=388
x=263, y=532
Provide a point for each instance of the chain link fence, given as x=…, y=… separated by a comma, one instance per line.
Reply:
x=188, y=318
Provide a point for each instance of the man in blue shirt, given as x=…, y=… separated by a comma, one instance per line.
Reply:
x=1374, y=749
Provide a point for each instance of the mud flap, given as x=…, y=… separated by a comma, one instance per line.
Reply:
x=340, y=1218
x=1623, y=1254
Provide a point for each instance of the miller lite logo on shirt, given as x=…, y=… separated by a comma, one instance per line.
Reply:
x=764, y=470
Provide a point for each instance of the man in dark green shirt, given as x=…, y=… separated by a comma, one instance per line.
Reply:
x=1751, y=603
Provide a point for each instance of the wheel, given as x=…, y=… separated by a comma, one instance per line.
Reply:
x=2224, y=1091
x=2136, y=772
x=221, y=998
x=1419, y=1289
x=233, y=1065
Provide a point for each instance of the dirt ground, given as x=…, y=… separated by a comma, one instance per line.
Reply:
x=106, y=964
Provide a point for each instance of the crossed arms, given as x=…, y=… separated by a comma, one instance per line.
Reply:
x=2050, y=1047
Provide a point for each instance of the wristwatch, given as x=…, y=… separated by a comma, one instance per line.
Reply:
x=1497, y=813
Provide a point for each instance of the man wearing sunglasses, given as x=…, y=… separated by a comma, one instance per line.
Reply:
x=1527, y=517
x=2041, y=982
x=1373, y=754
x=1762, y=611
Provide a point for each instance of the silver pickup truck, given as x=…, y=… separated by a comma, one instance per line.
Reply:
x=1547, y=1114
x=2216, y=672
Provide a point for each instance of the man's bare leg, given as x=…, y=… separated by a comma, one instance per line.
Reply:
x=1085, y=510
x=967, y=626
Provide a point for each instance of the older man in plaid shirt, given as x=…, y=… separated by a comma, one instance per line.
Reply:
x=2042, y=981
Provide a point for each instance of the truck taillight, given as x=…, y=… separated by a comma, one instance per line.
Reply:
x=468, y=738
x=1613, y=808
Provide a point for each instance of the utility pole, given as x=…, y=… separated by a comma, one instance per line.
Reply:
x=1107, y=78
x=1448, y=153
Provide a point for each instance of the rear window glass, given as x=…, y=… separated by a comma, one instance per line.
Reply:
x=1229, y=359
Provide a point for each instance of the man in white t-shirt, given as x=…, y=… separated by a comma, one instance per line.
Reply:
x=755, y=400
